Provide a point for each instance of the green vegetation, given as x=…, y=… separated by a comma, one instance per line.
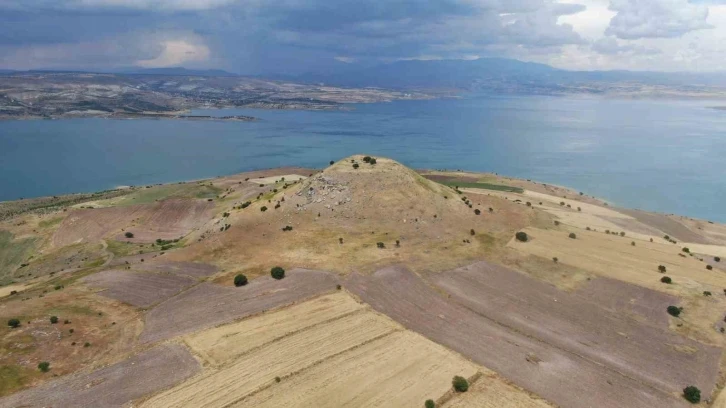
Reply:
x=666, y=279
x=709, y=267
x=53, y=319
x=460, y=384
x=483, y=186
x=380, y=245
x=686, y=250
x=355, y=165
x=717, y=259
x=12, y=378
x=477, y=211
x=240, y=280
x=263, y=208
x=184, y=190
x=674, y=311
x=572, y=235
x=521, y=236
x=51, y=222
x=123, y=248
x=707, y=293
x=129, y=234
x=692, y=394
x=44, y=366
x=13, y=252
x=661, y=268
x=14, y=323
x=277, y=272
x=367, y=159
x=429, y=404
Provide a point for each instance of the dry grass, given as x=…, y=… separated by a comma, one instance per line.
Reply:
x=490, y=391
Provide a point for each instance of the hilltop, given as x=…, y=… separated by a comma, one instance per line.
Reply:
x=538, y=295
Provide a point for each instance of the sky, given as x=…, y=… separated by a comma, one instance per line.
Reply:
x=298, y=36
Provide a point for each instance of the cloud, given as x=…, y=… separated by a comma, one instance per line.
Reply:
x=611, y=46
x=176, y=53
x=168, y=5
x=656, y=18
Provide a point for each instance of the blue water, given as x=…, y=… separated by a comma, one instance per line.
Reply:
x=665, y=156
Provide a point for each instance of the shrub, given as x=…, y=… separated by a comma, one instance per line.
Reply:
x=460, y=384
x=86, y=344
x=287, y=228
x=263, y=208
x=529, y=204
x=245, y=204
x=666, y=237
x=380, y=245
x=477, y=211
x=338, y=287
x=372, y=161
x=398, y=244
x=240, y=280
x=355, y=165
x=661, y=268
x=674, y=311
x=717, y=259
x=429, y=404
x=367, y=159
x=129, y=235
x=44, y=366
x=707, y=293
x=472, y=232
x=557, y=222
x=572, y=235
x=278, y=379
x=332, y=162
x=622, y=233
x=686, y=250
x=709, y=267
x=521, y=236
x=562, y=203
x=666, y=279
x=340, y=240
x=555, y=259
x=53, y=319
x=632, y=243
x=14, y=323
x=277, y=273
x=692, y=394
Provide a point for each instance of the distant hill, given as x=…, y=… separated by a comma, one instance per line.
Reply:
x=178, y=71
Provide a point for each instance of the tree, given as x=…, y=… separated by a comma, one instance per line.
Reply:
x=380, y=245
x=460, y=384
x=54, y=319
x=666, y=279
x=332, y=162
x=240, y=280
x=622, y=233
x=44, y=366
x=717, y=259
x=367, y=159
x=477, y=211
x=555, y=259
x=277, y=272
x=129, y=235
x=572, y=235
x=14, y=323
x=355, y=165
x=686, y=250
x=521, y=236
x=661, y=268
x=263, y=208
x=707, y=293
x=429, y=404
x=709, y=267
x=472, y=232
x=557, y=222
x=692, y=394
x=674, y=311
x=372, y=161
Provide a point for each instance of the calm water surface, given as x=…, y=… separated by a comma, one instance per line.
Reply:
x=666, y=156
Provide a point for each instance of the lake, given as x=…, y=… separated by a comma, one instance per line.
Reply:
x=659, y=155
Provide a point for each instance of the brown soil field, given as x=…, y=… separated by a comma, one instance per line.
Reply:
x=193, y=269
x=138, y=288
x=115, y=385
x=168, y=219
x=633, y=301
x=490, y=392
x=223, y=343
x=564, y=378
x=675, y=229
x=614, y=257
x=208, y=305
x=569, y=322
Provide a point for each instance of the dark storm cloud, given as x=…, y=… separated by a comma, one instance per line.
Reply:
x=284, y=36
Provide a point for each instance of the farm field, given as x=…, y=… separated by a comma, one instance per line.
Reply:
x=207, y=304
x=138, y=289
x=490, y=392
x=328, y=351
x=562, y=377
x=115, y=385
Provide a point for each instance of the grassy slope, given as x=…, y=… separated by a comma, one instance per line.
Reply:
x=13, y=253
x=484, y=186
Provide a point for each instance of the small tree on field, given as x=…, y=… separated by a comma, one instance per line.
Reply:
x=44, y=366
x=460, y=384
x=555, y=259
x=263, y=208
x=521, y=236
x=661, y=268
x=380, y=245
x=129, y=235
x=717, y=259
x=707, y=293
x=429, y=404
x=54, y=319
x=355, y=165
x=674, y=311
x=692, y=394
x=477, y=211
x=277, y=273
x=331, y=162
x=14, y=323
x=622, y=233
x=472, y=232
x=372, y=161
x=666, y=279
x=709, y=267
x=557, y=222
x=572, y=235
x=240, y=280
x=367, y=159
x=686, y=250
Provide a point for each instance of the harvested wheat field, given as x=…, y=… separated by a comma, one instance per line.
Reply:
x=491, y=392
x=330, y=351
x=572, y=323
x=115, y=385
x=192, y=269
x=562, y=377
x=138, y=289
x=615, y=257
x=208, y=305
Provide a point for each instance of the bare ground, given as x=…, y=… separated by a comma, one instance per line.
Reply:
x=138, y=289
x=675, y=229
x=568, y=322
x=115, y=385
x=207, y=305
x=559, y=376
x=193, y=269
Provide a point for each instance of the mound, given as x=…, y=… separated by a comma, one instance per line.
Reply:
x=355, y=216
